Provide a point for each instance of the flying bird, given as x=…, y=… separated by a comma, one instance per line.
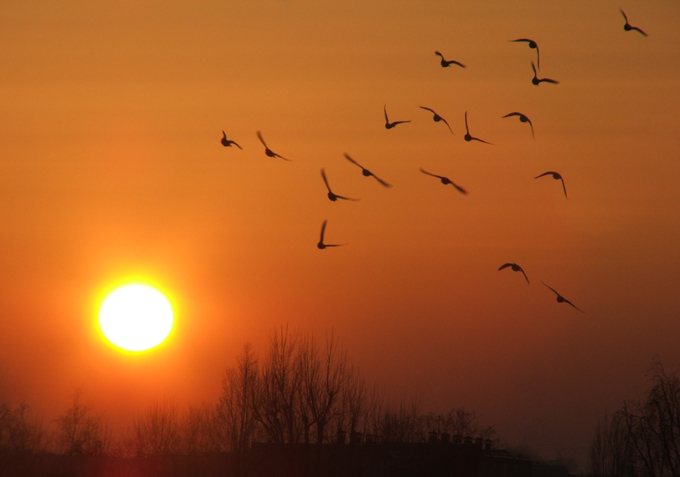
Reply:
x=388, y=124
x=445, y=181
x=628, y=26
x=561, y=299
x=437, y=117
x=556, y=176
x=534, y=46
x=536, y=80
x=366, y=172
x=333, y=197
x=268, y=151
x=523, y=118
x=447, y=63
x=469, y=137
x=321, y=245
x=515, y=268
x=228, y=142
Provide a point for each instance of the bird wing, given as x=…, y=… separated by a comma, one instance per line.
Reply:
x=505, y=265
x=457, y=63
x=538, y=57
x=544, y=174
x=345, y=198
x=638, y=30
x=447, y=125
x=323, y=174
x=323, y=230
x=400, y=122
x=553, y=290
x=352, y=160
x=385, y=110
x=467, y=130
x=439, y=54
x=512, y=114
x=625, y=17
x=429, y=109
x=459, y=188
x=564, y=188
x=481, y=140
x=570, y=303
x=533, y=68
x=429, y=173
x=532, y=128
x=548, y=80
x=523, y=39
x=259, y=135
x=381, y=181
x=525, y=275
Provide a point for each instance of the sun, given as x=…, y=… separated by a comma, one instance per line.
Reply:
x=136, y=317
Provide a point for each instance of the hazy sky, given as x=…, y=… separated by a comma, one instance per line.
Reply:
x=111, y=169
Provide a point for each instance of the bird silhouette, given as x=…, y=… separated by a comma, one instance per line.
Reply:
x=437, y=117
x=628, y=26
x=268, y=151
x=366, y=172
x=228, y=142
x=561, y=299
x=321, y=245
x=445, y=181
x=388, y=124
x=536, y=80
x=332, y=196
x=556, y=176
x=523, y=118
x=468, y=137
x=446, y=63
x=534, y=46
x=515, y=268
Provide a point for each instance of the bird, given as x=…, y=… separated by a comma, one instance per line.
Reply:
x=515, y=268
x=445, y=181
x=561, y=299
x=523, y=118
x=268, y=151
x=366, y=172
x=447, y=63
x=333, y=197
x=533, y=45
x=388, y=124
x=228, y=142
x=628, y=26
x=437, y=117
x=321, y=245
x=556, y=176
x=469, y=137
x=536, y=80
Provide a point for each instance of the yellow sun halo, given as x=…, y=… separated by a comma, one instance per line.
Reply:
x=136, y=317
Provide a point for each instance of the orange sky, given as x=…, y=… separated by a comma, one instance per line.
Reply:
x=111, y=168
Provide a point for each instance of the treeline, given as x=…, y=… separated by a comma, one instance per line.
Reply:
x=642, y=438
x=299, y=391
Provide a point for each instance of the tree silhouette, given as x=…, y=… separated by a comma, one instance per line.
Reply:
x=643, y=437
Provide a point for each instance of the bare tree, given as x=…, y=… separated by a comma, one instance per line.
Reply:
x=611, y=453
x=19, y=432
x=157, y=432
x=643, y=437
x=323, y=378
x=276, y=403
x=80, y=431
x=235, y=413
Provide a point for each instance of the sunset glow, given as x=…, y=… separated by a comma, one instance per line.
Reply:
x=136, y=317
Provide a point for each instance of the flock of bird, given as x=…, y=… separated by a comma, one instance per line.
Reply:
x=332, y=196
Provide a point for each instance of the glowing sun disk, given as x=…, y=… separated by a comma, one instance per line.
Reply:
x=136, y=317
